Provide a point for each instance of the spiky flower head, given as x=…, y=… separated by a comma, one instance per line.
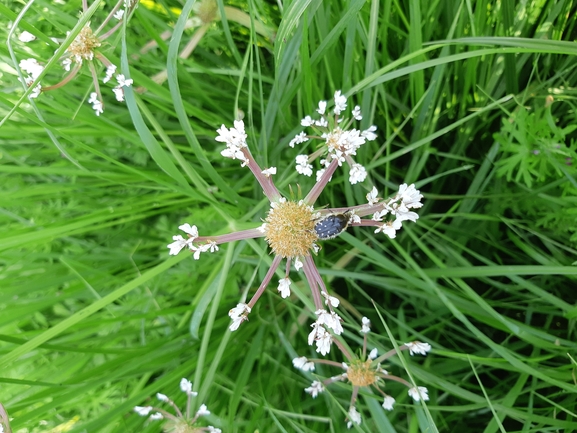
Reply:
x=83, y=45
x=289, y=228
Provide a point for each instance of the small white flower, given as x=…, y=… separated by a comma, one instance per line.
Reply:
x=340, y=102
x=418, y=347
x=28, y=81
x=324, y=341
x=410, y=196
x=238, y=315
x=330, y=300
x=378, y=215
x=32, y=67
x=123, y=81
x=212, y=246
x=354, y=417
x=354, y=218
x=307, y=121
x=186, y=386
x=390, y=228
x=369, y=134
x=357, y=174
x=315, y=389
x=320, y=174
x=118, y=93
x=322, y=107
x=161, y=397
x=373, y=354
x=406, y=216
x=357, y=113
x=303, y=364
x=366, y=326
x=156, y=416
x=192, y=231
x=234, y=136
x=202, y=410
x=303, y=166
x=142, y=410
x=298, y=264
x=66, y=63
x=26, y=36
x=97, y=105
x=321, y=123
x=388, y=403
x=237, y=322
x=372, y=196
x=269, y=171
x=119, y=14
x=299, y=138
x=212, y=429
x=178, y=244
x=284, y=287
x=110, y=70
x=419, y=393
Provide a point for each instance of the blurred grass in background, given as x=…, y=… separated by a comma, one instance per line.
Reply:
x=474, y=102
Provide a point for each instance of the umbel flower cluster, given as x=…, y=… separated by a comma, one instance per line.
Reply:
x=364, y=371
x=181, y=422
x=84, y=49
x=293, y=228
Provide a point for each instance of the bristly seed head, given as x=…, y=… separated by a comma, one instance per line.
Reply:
x=82, y=47
x=289, y=228
x=360, y=373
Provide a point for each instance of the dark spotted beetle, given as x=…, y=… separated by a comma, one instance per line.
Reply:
x=332, y=225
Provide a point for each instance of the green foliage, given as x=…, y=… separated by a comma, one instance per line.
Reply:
x=96, y=318
x=534, y=148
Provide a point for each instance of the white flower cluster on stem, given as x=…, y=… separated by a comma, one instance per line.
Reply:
x=235, y=140
x=341, y=141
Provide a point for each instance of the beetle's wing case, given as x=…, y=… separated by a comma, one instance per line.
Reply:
x=332, y=225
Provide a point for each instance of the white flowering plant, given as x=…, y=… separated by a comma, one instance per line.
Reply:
x=87, y=48
x=364, y=370
x=293, y=228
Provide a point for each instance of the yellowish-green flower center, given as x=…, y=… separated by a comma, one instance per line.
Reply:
x=206, y=10
x=289, y=229
x=82, y=47
x=181, y=426
x=360, y=373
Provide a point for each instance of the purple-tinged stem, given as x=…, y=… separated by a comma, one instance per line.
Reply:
x=343, y=349
x=265, y=181
x=166, y=414
x=320, y=282
x=66, y=79
x=367, y=223
x=308, y=265
x=111, y=31
x=107, y=19
x=354, y=396
x=176, y=408
x=84, y=5
x=267, y=278
x=95, y=81
x=320, y=185
x=288, y=266
x=390, y=353
x=395, y=379
x=325, y=361
x=230, y=237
